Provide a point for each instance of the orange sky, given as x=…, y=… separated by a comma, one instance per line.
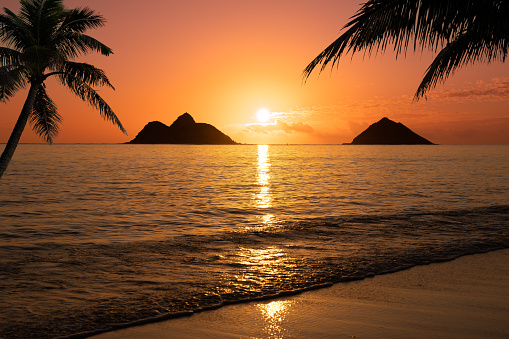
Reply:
x=223, y=60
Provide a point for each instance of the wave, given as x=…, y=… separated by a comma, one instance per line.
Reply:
x=98, y=286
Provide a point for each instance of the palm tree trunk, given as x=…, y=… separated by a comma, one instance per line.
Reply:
x=11, y=145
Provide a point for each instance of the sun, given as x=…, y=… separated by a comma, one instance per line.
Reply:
x=263, y=115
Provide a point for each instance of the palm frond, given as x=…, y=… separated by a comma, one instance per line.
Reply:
x=13, y=31
x=44, y=117
x=80, y=20
x=465, y=49
x=332, y=53
x=12, y=79
x=9, y=56
x=86, y=93
x=379, y=24
x=73, y=44
x=42, y=18
x=84, y=72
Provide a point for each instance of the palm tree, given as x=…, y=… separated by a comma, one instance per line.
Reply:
x=465, y=31
x=41, y=42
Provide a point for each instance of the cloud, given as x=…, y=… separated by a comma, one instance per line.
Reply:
x=496, y=89
x=280, y=126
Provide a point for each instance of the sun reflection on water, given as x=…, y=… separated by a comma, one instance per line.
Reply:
x=268, y=219
x=269, y=256
x=274, y=313
x=262, y=268
x=264, y=197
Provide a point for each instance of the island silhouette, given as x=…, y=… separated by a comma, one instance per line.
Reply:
x=184, y=130
x=388, y=132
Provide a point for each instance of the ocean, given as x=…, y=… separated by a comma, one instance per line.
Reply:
x=96, y=237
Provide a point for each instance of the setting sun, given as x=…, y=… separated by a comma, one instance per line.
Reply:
x=263, y=115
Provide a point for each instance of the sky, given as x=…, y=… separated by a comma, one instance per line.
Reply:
x=224, y=60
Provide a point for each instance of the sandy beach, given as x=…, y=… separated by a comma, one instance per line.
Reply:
x=464, y=298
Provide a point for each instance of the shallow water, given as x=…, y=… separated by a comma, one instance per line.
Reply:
x=93, y=236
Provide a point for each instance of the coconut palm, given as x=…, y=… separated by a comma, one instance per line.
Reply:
x=465, y=32
x=41, y=42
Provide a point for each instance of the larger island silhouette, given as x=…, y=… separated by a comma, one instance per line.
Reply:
x=388, y=132
x=184, y=130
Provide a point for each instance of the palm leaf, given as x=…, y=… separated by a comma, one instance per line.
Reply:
x=10, y=56
x=44, y=117
x=80, y=20
x=12, y=79
x=465, y=49
x=13, y=31
x=86, y=93
x=73, y=44
x=41, y=17
x=381, y=23
x=85, y=73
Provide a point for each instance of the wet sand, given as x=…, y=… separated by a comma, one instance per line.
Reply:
x=464, y=298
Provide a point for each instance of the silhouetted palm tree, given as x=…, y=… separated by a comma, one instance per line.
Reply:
x=41, y=42
x=466, y=31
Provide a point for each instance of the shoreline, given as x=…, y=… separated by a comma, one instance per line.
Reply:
x=409, y=303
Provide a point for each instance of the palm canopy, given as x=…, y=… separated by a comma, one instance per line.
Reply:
x=41, y=41
x=465, y=31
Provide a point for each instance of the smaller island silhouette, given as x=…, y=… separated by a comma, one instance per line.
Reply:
x=388, y=132
x=184, y=130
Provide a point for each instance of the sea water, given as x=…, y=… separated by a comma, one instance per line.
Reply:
x=93, y=237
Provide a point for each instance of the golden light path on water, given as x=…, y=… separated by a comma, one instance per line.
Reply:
x=263, y=197
x=266, y=262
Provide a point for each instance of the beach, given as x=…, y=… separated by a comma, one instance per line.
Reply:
x=464, y=298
